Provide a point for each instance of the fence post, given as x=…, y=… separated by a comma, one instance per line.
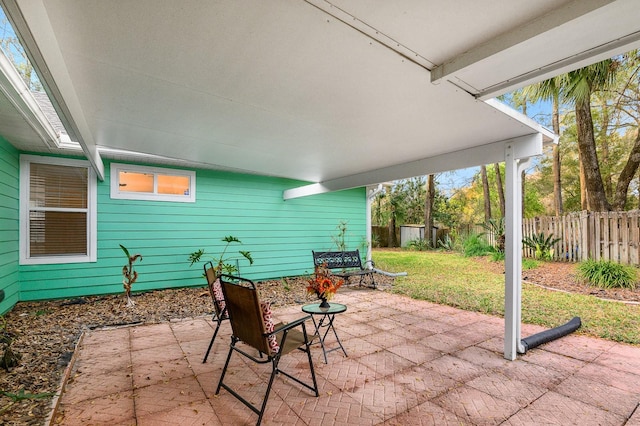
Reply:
x=584, y=250
x=624, y=234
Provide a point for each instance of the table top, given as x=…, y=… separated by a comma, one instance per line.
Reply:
x=315, y=309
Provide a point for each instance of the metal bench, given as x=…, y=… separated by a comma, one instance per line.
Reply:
x=345, y=264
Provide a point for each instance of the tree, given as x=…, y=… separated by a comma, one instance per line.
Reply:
x=428, y=209
x=12, y=48
x=543, y=91
x=628, y=105
x=579, y=85
x=487, y=195
x=500, y=189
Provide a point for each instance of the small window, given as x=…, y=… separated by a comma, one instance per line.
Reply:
x=152, y=183
x=58, y=220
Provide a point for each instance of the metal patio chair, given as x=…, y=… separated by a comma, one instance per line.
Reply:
x=252, y=326
x=219, y=305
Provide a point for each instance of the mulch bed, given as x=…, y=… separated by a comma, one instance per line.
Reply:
x=46, y=332
x=562, y=276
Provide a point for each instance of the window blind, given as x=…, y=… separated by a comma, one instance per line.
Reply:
x=58, y=211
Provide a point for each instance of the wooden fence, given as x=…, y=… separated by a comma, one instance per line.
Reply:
x=613, y=236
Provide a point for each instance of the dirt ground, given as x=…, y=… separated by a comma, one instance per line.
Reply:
x=45, y=333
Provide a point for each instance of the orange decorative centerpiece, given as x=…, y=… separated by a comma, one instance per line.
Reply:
x=324, y=284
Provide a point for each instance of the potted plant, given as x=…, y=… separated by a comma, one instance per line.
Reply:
x=222, y=263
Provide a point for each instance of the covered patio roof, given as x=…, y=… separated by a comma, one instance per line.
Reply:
x=334, y=94
x=340, y=94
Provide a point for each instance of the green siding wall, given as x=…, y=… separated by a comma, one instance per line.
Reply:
x=279, y=234
x=9, y=207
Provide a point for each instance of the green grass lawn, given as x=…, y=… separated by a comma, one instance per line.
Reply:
x=451, y=279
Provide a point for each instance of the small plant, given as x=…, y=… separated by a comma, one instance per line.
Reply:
x=529, y=264
x=419, y=244
x=497, y=255
x=542, y=246
x=607, y=274
x=221, y=262
x=21, y=395
x=375, y=240
x=476, y=245
x=446, y=243
x=9, y=358
x=130, y=276
x=340, y=238
x=285, y=285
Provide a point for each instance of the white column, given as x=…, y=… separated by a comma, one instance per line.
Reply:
x=513, y=253
x=369, y=199
x=371, y=195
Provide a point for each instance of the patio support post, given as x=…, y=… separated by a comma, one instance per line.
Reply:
x=513, y=252
x=371, y=195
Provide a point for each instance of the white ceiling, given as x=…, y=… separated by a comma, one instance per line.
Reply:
x=311, y=90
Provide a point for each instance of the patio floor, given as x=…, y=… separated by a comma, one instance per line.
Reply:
x=409, y=362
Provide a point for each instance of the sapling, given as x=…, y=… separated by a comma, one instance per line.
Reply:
x=130, y=276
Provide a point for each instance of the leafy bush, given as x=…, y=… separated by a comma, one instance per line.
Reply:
x=497, y=255
x=476, y=245
x=541, y=245
x=419, y=244
x=446, y=243
x=607, y=274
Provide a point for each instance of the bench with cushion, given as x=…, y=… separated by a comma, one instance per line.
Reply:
x=345, y=264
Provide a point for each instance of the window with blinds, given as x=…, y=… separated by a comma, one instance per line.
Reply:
x=132, y=182
x=58, y=215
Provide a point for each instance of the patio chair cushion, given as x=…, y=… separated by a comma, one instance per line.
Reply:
x=218, y=295
x=267, y=317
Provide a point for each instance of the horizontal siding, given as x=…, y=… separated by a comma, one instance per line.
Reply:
x=9, y=225
x=279, y=234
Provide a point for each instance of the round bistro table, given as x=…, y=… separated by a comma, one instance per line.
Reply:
x=325, y=321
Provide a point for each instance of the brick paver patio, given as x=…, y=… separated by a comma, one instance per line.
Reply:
x=410, y=362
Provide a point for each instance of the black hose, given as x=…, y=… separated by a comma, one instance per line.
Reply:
x=552, y=334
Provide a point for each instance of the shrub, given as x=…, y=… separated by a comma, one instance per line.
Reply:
x=475, y=245
x=446, y=243
x=420, y=244
x=607, y=274
x=497, y=255
x=542, y=246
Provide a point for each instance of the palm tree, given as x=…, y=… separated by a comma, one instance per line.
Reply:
x=544, y=91
x=577, y=88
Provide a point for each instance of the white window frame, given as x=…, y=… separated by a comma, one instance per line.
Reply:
x=92, y=209
x=115, y=192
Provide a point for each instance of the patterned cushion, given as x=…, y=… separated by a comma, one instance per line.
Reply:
x=267, y=317
x=218, y=296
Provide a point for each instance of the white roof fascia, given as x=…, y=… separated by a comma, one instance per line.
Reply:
x=15, y=89
x=600, y=53
x=496, y=50
x=548, y=135
x=53, y=73
x=483, y=154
